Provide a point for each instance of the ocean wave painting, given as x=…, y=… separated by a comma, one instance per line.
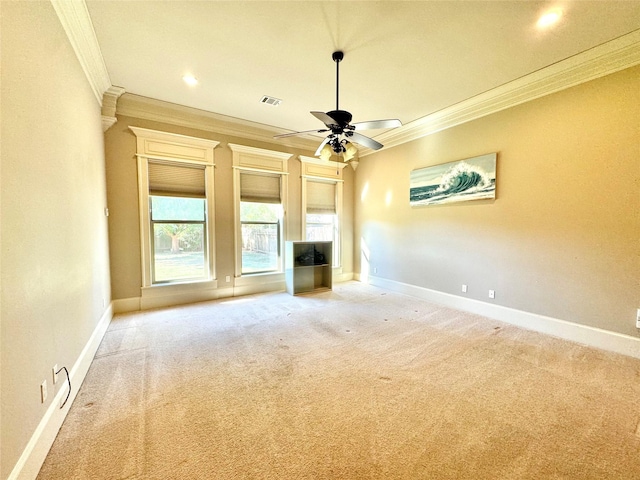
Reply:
x=469, y=179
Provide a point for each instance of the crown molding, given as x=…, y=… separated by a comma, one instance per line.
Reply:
x=146, y=108
x=109, y=103
x=605, y=59
x=75, y=19
x=108, y=122
x=110, y=100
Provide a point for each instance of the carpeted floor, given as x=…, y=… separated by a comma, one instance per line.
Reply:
x=357, y=383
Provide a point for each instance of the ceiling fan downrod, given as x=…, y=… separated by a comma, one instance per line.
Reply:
x=337, y=57
x=341, y=118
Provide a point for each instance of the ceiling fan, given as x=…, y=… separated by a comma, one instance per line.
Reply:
x=343, y=132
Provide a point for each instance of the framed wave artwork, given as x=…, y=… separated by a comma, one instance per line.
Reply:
x=459, y=181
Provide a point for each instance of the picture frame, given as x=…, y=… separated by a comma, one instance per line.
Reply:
x=459, y=181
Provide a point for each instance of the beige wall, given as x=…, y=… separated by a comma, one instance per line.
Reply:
x=122, y=192
x=561, y=239
x=55, y=264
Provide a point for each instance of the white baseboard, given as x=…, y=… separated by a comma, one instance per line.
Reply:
x=583, y=334
x=246, y=286
x=135, y=304
x=36, y=451
x=123, y=305
x=342, y=277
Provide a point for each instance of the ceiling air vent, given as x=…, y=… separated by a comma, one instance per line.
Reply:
x=271, y=101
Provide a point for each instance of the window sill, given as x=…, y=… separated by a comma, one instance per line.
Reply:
x=258, y=279
x=164, y=289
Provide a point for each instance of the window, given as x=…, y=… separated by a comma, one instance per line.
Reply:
x=321, y=216
x=179, y=226
x=175, y=183
x=260, y=189
x=322, y=227
x=322, y=202
x=260, y=220
x=178, y=221
x=260, y=237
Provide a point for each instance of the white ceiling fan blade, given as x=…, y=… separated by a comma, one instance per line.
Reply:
x=324, y=118
x=375, y=124
x=284, y=135
x=364, y=141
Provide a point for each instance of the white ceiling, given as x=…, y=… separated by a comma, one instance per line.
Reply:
x=402, y=60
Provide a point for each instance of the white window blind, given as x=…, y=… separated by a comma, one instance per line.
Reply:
x=259, y=188
x=171, y=179
x=321, y=197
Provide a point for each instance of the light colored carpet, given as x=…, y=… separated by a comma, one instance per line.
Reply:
x=357, y=383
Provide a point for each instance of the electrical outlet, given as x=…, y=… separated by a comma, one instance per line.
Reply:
x=375, y=269
x=492, y=294
x=43, y=391
x=227, y=278
x=464, y=289
x=55, y=374
x=638, y=318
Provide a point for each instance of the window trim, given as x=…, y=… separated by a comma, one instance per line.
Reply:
x=157, y=146
x=258, y=160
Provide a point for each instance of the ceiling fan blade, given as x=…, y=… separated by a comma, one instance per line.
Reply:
x=324, y=142
x=324, y=118
x=284, y=135
x=374, y=124
x=364, y=141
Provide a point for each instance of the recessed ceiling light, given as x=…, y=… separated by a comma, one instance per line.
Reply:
x=190, y=80
x=549, y=18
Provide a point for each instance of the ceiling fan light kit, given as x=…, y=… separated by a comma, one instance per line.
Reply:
x=343, y=133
